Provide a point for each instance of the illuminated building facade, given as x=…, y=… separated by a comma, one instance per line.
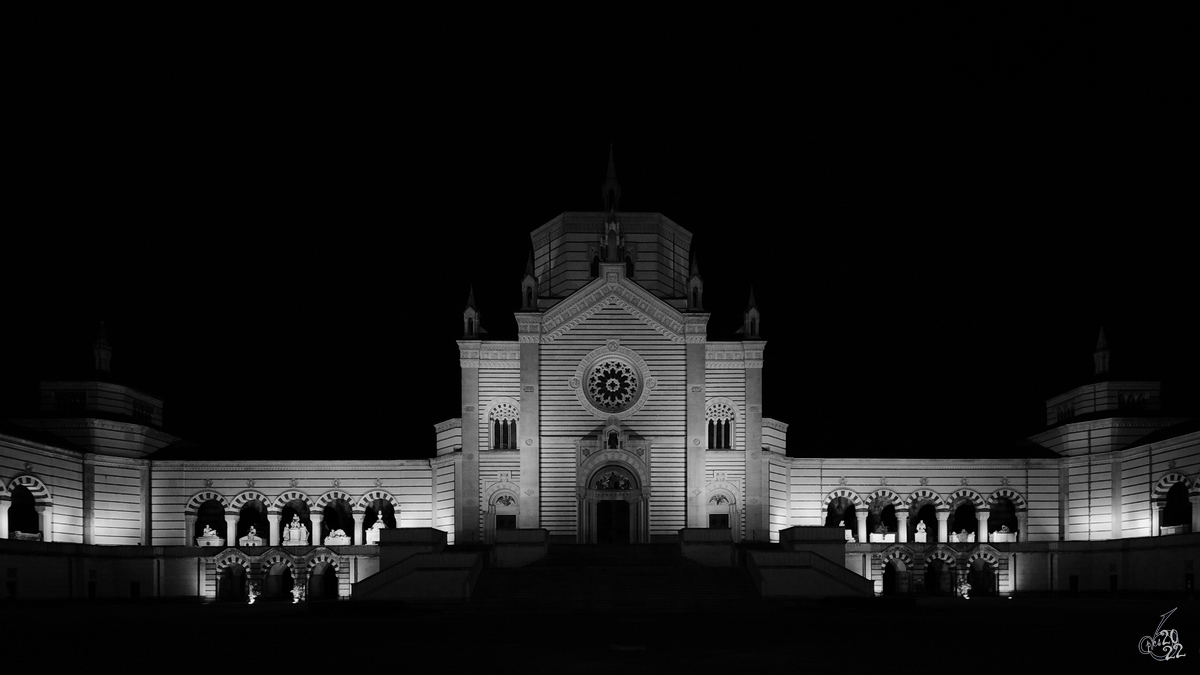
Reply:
x=611, y=419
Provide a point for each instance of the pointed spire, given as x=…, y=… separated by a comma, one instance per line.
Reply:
x=1100, y=356
x=471, y=327
x=695, y=286
x=529, y=287
x=611, y=190
x=102, y=350
x=750, y=326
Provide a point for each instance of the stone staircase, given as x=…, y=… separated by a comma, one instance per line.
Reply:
x=639, y=577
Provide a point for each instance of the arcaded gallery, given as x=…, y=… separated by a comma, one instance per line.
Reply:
x=612, y=422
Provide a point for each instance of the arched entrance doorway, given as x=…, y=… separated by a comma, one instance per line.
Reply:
x=613, y=507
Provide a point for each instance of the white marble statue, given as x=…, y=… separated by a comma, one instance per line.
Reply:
x=921, y=526
x=337, y=538
x=251, y=538
x=209, y=537
x=296, y=593
x=296, y=532
x=373, y=533
x=252, y=593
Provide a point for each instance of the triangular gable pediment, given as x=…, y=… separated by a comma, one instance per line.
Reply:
x=613, y=289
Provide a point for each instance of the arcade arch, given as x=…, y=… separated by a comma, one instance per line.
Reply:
x=844, y=508
x=295, y=509
x=1171, y=505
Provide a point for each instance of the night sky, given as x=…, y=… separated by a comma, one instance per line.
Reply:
x=279, y=229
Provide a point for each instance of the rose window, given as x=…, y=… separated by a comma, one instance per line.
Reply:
x=612, y=385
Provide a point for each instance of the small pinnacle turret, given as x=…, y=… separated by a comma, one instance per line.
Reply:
x=1101, y=355
x=102, y=351
x=611, y=190
x=695, y=299
x=471, y=327
x=750, y=325
x=529, y=286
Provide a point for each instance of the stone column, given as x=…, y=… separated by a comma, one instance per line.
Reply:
x=4, y=504
x=862, y=527
x=1195, y=499
x=231, y=529
x=189, y=533
x=981, y=518
x=902, y=526
x=941, y=516
x=1155, y=517
x=358, y=527
x=315, y=538
x=273, y=519
x=1022, y=526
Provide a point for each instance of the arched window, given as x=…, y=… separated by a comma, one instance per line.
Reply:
x=720, y=417
x=628, y=266
x=595, y=269
x=503, y=419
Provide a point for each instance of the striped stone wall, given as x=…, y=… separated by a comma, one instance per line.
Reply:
x=564, y=420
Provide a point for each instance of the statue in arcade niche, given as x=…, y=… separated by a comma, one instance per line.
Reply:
x=295, y=532
x=373, y=533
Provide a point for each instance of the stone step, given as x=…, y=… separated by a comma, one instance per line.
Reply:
x=548, y=588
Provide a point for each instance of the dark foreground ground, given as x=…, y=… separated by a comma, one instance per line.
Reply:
x=947, y=635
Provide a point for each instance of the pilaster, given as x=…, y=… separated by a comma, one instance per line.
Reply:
x=1116, y=496
x=695, y=327
x=89, y=498
x=147, y=506
x=466, y=520
x=758, y=506
x=529, y=423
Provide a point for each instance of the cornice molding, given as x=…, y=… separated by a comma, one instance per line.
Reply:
x=613, y=289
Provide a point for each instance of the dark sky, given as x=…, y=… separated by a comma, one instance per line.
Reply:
x=279, y=227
